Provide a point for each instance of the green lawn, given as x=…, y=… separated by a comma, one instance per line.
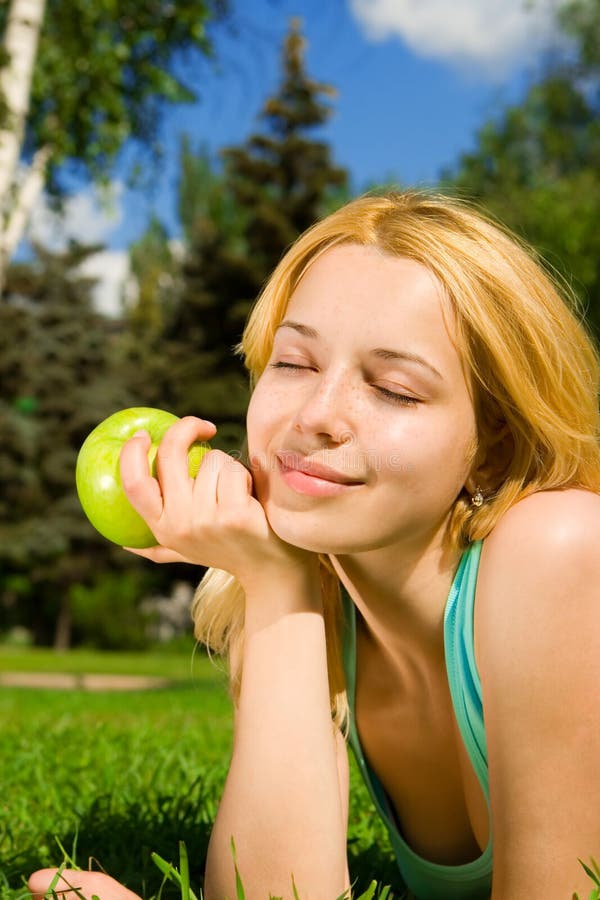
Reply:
x=182, y=664
x=115, y=776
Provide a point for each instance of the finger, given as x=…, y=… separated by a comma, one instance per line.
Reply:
x=214, y=468
x=172, y=456
x=142, y=490
x=159, y=554
x=234, y=484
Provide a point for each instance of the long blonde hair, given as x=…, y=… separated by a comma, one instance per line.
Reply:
x=534, y=368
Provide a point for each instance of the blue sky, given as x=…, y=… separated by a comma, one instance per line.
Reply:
x=416, y=79
x=406, y=106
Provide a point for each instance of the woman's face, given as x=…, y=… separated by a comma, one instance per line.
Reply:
x=364, y=378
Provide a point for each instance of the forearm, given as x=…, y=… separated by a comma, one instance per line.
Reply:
x=281, y=802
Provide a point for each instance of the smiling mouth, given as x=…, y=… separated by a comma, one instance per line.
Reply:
x=290, y=463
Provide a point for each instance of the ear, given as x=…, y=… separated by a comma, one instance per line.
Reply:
x=491, y=462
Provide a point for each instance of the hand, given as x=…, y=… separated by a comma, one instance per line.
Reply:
x=87, y=884
x=212, y=520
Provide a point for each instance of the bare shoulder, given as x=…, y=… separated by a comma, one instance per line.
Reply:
x=545, y=535
x=550, y=519
x=540, y=565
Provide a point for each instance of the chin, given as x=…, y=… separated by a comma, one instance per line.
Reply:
x=305, y=532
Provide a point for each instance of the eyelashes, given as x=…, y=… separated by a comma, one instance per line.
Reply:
x=401, y=399
x=390, y=396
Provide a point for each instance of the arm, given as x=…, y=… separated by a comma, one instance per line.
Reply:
x=538, y=648
x=283, y=802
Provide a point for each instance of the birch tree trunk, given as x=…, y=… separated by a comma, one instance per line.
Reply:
x=17, y=196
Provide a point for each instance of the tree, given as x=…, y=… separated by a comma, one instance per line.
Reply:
x=283, y=176
x=95, y=76
x=537, y=166
x=581, y=19
x=238, y=220
x=61, y=372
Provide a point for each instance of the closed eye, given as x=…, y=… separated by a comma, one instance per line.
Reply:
x=402, y=399
x=286, y=365
x=389, y=396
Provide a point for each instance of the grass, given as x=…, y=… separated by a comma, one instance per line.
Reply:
x=117, y=777
x=161, y=663
x=124, y=781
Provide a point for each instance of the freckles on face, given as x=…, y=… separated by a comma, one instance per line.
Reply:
x=365, y=379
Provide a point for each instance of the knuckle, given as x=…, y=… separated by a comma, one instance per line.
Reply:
x=233, y=519
x=132, y=482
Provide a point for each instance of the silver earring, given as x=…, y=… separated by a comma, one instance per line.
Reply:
x=477, y=498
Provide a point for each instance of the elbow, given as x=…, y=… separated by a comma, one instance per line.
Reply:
x=262, y=875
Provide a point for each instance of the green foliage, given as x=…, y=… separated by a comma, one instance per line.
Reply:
x=155, y=268
x=105, y=72
x=60, y=374
x=581, y=19
x=106, y=614
x=537, y=165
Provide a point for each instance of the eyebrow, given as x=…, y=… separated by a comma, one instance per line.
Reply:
x=379, y=352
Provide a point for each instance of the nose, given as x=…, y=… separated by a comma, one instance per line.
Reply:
x=328, y=409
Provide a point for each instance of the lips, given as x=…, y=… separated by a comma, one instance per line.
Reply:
x=309, y=467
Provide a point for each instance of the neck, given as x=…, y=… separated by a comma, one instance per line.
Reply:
x=401, y=593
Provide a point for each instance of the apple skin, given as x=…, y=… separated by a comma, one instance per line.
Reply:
x=98, y=479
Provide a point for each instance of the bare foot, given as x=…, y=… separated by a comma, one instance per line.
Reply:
x=86, y=884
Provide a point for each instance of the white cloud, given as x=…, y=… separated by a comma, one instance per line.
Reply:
x=111, y=268
x=490, y=36
x=88, y=217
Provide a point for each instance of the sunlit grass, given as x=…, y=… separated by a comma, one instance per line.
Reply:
x=116, y=777
x=160, y=663
x=123, y=781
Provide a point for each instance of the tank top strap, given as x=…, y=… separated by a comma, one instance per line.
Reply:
x=463, y=677
x=425, y=879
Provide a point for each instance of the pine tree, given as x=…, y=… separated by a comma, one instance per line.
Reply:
x=59, y=377
x=284, y=176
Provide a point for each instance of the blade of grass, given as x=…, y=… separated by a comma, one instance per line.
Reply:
x=52, y=893
x=171, y=874
x=370, y=892
x=594, y=875
x=184, y=871
x=68, y=860
x=239, y=887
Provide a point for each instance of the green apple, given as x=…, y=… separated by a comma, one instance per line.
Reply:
x=98, y=480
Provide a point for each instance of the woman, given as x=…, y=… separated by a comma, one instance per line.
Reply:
x=417, y=522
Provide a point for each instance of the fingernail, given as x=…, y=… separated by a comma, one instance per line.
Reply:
x=141, y=433
x=209, y=423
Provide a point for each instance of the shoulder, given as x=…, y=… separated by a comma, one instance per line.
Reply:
x=549, y=519
x=547, y=535
x=540, y=567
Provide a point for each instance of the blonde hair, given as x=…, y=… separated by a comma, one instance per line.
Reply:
x=532, y=364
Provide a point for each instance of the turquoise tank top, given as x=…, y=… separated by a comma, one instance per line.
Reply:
x=428, y=880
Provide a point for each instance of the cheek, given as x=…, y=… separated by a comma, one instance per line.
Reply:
x=263, y=422
x=259, y=417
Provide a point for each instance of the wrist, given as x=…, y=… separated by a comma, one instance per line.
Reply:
x=280, y=590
